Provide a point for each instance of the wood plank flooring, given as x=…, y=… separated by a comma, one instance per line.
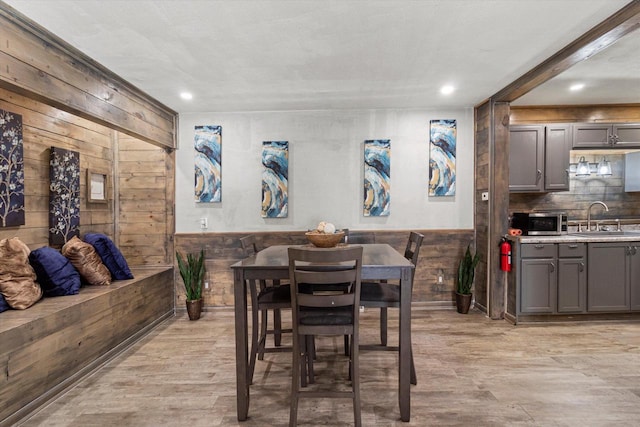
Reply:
x=471, y=371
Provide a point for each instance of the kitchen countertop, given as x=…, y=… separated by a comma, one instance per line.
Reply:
x=576, y=238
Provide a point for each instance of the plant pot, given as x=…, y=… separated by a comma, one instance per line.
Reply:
x=463, y=302
x=194, y=308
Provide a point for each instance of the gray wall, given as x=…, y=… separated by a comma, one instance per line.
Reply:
x=325, y=170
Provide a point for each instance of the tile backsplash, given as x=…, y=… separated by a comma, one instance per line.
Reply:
x=584, y=191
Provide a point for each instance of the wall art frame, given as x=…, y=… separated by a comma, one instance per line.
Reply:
x=377, y=177
x=208, y=164
x=443, y=136
x=275, y=179
x=64, y=195
x=97, y=187
x=12, y=211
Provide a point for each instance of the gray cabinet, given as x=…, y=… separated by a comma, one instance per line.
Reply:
x=634, y=274
x=538, y=278
x=626, y=135
x=575, y=278
x=526, y=158
x=539, y=157
x=557, y=149
x=606, y=135
x=608, y=279
x=572, y=278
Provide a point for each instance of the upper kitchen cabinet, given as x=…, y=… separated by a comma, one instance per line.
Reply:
x=606, y=135
x=526, y=158
x=539, y=157
x=557, y=157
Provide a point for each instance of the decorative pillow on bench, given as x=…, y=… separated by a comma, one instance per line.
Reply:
x=4, y=305
x=87, y=261
x=56, y=275
x=17, y=278
x=110, y=255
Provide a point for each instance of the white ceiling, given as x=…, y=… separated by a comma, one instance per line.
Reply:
x=238, y=55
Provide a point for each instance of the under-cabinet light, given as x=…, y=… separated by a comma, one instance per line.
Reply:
x=604, y=168
x=583, y=167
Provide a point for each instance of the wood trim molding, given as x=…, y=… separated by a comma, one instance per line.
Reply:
x=44, y=67
x=593, y=41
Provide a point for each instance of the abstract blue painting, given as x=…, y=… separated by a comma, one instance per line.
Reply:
x=64, y=195
x=377, y=174
x=208, y=146
x=11, y=170
x=275, y=178
x=442, y=163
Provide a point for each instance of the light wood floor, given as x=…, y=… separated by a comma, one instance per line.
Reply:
x=471, y=371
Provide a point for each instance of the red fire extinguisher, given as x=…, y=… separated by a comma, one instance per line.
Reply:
x=505, y=254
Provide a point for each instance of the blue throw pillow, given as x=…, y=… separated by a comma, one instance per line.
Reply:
x=4, y=306
x=55, y=273
x=110, y=255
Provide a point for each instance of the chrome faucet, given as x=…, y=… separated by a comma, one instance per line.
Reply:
x=589, y=212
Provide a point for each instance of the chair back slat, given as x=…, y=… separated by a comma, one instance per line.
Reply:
x=323, y=300
x=309, y=267
x=412, y=250
x=249, y=245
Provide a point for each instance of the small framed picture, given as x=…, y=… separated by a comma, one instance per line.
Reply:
x=96, y=187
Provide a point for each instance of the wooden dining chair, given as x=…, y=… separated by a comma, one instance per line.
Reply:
x=264, y=297
x=324, y=313
x=384, y=295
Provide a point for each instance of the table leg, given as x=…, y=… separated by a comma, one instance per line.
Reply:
x=404, y=376
x=242, y=344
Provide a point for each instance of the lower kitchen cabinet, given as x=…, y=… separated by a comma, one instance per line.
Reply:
x=572, y=278
x=634, y=275
x=609, y=283
x=539, y=283
x=538, y=278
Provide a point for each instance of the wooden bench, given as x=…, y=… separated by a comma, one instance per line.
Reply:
x=49, y=346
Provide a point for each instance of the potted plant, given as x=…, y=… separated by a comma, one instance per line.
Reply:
x=192, y=272
x=466, y=273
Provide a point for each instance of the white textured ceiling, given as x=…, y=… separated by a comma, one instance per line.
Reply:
x=238, y=55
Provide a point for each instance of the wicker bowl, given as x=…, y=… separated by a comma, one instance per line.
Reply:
x=322, y=240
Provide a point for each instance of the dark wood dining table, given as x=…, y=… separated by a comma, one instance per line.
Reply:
x=379, y=262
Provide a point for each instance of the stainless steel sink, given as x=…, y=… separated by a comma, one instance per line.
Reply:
x=606, y=233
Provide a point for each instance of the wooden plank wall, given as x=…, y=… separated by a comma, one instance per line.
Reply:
x=145, y=223
x=140, y=182
x=622, y=113
x=44, y=67
x=482, y=143
x=441, y=249
x=43, y=127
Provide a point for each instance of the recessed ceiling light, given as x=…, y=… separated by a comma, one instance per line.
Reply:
x=186, y=96
x=577, y=86
x=447, y=90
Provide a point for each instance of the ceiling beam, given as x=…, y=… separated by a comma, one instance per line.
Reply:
x=603, y=35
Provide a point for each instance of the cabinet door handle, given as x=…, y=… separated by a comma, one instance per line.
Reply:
x=552, y=267
x=538, y=175
x=573, y=246
x=634, y=250
x=581, y=266
x=539, y=246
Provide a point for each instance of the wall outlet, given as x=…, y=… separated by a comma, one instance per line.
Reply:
x=204, y=224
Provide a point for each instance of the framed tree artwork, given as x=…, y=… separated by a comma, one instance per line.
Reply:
x=11, y=170
x=64, y=195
